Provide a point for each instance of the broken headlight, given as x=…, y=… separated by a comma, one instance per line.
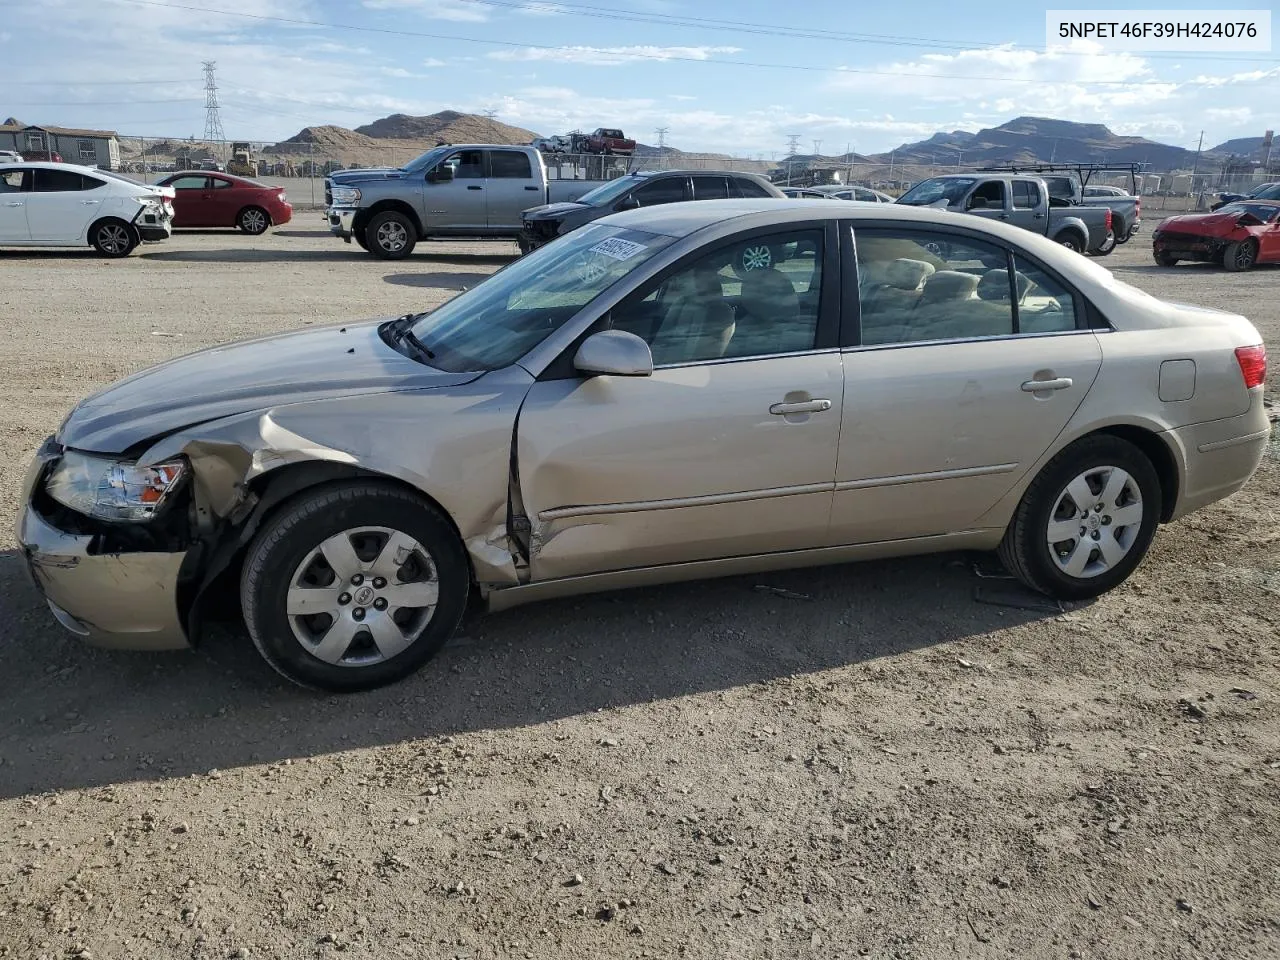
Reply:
x=113, y=489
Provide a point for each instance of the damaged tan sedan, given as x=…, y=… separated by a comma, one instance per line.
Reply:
x=669, y=393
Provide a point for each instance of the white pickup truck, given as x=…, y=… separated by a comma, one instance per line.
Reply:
x=475, y=190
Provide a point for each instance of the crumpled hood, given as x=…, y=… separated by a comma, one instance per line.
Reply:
x=236, y=378
x=555, y=211
x=1201, y=221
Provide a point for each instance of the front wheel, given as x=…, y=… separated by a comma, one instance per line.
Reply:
x=113, y=238
x=1240, y=256
x=1165, y=260
x=1086, y=521
x=253, y=221
x=353, y=586
x=390, y=236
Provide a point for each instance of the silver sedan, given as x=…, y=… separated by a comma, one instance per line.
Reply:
x=683, y=391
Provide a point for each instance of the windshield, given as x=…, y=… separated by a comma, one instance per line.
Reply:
x=425, y=160
x=950, y=189
x=1270, y=191
x=606, y=193
x=500, y=320
x=1266, y=212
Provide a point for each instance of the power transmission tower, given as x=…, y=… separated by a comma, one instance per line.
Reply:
x=490, y=114
x=212, y=119
x=793, y=144
x=817, y=148
x=662, y=137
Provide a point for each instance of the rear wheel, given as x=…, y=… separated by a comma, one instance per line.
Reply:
x=1086, y=521
x=1165, y=260
x=1108, y=245
x=353, y=586
x=253, y=221
x=1124, y=236
x=390, y=235
x=1240, y=256
x=113, y=238
x=1071, y=240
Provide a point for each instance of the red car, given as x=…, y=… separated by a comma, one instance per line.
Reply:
x=1236, y=236
x=203, y=199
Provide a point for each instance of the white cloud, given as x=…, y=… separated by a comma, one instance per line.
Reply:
x=1229, y=115
x=538, y=9
x=611, y=56
x=459, y=10
x=680, y=96
x=433, y=62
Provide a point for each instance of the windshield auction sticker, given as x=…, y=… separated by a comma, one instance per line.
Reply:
x=617, y=248
x=1202, y=31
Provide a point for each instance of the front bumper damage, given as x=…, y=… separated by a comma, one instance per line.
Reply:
x=108, y=597
x=1189, y=246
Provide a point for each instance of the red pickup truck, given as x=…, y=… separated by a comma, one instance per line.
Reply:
x=609, y=140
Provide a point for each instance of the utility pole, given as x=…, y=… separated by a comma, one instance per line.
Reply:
x=793, y=144
x=212, y=118
x=1195, y=166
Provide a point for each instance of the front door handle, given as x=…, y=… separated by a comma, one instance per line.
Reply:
x=90, y=203
x=475, y=188
x=13, y=203
x=1037, y=386
x=534, y=189
x=800, y=406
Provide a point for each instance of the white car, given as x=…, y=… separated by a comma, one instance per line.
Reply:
x=65, y=205
x=8, y=156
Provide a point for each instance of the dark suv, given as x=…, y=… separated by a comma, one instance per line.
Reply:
x=551, y=220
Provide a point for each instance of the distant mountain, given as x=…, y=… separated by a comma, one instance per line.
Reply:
x=1043, y=139
x=447, y=125
x=1248, y=147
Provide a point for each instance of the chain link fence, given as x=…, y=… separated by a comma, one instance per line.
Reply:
x=301, y=168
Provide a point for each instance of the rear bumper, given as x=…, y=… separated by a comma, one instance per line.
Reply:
x=281, y=213
x=1221, y=455
x=152, y=227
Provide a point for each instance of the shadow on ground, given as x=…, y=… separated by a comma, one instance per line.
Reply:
x=76, y=717
x=448, y=281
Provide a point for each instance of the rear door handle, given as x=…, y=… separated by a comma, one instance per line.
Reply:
x=475, y=188
x=801, y=406
x=90, y=203
x=1036, y=386
x=534, y=189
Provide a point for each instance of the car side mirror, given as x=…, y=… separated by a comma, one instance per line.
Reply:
x=627, y=203
x=441, y=174
x=615, y=353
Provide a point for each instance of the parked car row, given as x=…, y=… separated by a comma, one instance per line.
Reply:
x=838, y=192
x=49, y=204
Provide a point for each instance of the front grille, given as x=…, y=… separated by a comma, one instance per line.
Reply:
x=328, y=194
x=1173, y=236
x=542, y=230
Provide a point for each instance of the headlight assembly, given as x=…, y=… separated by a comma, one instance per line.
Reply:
x=345, y=195
x=110, y=489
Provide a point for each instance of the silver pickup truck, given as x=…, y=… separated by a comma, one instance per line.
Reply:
x=1022, y=201
x=475, y=190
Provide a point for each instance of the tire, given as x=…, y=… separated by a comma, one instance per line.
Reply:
x=1124, y=236
x=360, y=240
x=1164, y=260
x=1108, y=245
x=1071, y=240
x=253, y=221
x=1074, y=568
x=355, y=640
x=113, y=238
x=1240, y=256
x=390, y=235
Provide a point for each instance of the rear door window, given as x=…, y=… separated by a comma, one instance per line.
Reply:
x=710, y=188
x=510, y=164
x=62, y=181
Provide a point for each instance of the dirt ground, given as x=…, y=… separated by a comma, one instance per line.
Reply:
x=857, y=761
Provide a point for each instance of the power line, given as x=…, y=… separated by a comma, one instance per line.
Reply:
x=807, y=33
x=808, y=68
x=102, y=103
x=93, y=83
x=212, y=119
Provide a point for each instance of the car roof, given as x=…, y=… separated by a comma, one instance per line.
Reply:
x=53, y=165
x=1253, y=202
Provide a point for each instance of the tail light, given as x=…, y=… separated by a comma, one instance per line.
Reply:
x=1253, y=365
x=1137, y=207
x=1108, y=220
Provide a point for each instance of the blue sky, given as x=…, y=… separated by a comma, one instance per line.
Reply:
x=870, y=76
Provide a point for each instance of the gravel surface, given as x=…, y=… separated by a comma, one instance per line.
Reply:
x=853, y=761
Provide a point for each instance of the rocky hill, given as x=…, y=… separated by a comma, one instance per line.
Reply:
x=447, y=125
x=1248, y=147
x=1029, y=139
